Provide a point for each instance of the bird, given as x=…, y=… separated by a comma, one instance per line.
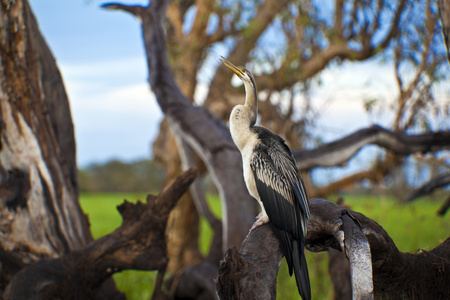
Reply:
x=273, y=179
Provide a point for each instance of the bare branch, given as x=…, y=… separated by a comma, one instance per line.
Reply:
x=265, y=14
x=444, y=14
x=135, y=10
x=445, y=206
x=188, y=161
x=436, y=182
x=338, y=152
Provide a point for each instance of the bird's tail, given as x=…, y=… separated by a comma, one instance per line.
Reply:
x=301, y=270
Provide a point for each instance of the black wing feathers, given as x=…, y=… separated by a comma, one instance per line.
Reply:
x=274, y=193
x=282, y=192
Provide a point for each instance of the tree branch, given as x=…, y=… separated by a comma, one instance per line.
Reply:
x=338, y=152
x=188, y=161
x=135, y=10
x=139, y=243
x=444, y=15
x=221, y=83
x=445, y=206
x=436, y=182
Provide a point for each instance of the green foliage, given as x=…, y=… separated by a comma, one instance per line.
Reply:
x=117, y=176
x=412, y=226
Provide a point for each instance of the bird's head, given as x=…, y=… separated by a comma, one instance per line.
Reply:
x=241, y=72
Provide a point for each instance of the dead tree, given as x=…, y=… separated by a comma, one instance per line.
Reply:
x=396, y=275
x=40, y=216
x=139, y=243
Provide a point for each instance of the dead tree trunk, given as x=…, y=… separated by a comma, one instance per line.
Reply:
x=139, y=243
x=396, y=275
x=202, y=131
x=39, y=209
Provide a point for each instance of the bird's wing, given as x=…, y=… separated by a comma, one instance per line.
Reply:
x=284, y=198
x=285, y=164
x=278, y=195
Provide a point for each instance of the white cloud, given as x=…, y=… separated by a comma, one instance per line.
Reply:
x=340, y=97
x=114, y=111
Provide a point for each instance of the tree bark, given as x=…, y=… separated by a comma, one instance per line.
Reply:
x=339, y=269
x=40, y=213
x=251, y=272
x=396, y=275
x=184, y=219
x=139, y=243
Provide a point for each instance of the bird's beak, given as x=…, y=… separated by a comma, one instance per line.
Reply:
x=233, y=68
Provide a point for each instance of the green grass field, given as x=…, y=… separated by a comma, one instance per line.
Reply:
x=412, y=226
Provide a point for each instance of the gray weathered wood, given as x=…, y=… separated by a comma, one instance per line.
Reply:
x=340, y=151
x=39, y=209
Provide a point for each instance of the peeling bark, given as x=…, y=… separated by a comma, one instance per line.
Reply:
x=40, y=213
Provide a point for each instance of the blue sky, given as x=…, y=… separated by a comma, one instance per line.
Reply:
x=101, y=57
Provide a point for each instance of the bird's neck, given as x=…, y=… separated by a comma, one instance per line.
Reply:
x=243, y=118
x=240, y=126
x=251, y=101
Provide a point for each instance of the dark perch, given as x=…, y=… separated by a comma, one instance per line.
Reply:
x=251, y=272
x=139, y=243
x=396, y=275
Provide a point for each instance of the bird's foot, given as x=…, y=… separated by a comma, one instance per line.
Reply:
x=261, y=219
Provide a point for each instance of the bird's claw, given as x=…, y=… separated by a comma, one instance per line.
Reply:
x=261, y=219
